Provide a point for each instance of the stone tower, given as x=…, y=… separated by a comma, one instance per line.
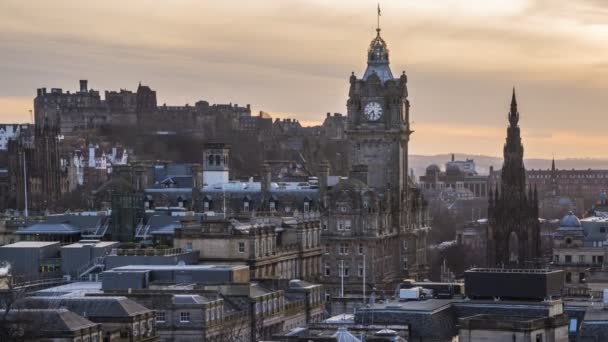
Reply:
x=514, y=229
x=378, y=123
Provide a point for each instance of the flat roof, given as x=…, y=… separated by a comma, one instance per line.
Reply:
x=98, y=244
x=179, y=267
x=413, y=305
x=31, y=244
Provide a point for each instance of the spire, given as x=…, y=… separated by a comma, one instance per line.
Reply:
x=553, y=164
x=513, y=114
x=377, y=57
x=378, y=26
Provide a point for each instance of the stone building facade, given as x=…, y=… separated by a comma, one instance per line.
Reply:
x=514, y=230
x=273, y=247
x=375, y=222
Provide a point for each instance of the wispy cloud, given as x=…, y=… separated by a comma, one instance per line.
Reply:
x=295, y=57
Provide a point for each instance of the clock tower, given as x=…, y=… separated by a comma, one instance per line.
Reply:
x=378, y=123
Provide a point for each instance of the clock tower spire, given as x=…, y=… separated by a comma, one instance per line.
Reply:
x=378, y=122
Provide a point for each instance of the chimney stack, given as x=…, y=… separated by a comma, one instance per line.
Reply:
x=323, y=175
x=83, y=86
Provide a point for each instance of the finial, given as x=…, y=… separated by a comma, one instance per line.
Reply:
x=378, y=27
x=513, y=99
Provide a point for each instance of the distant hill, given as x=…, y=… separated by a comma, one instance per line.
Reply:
x=419, y=163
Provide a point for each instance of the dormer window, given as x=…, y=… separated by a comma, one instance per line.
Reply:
x=246, y=205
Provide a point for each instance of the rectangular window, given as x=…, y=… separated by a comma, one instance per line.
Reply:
x=581, y=259
x=568, y=259
x=246, y=206
x=272, y=206
x=135, y=329
x=568, y=277
x=345, y=271
x=241, y=247
x=326, y=248
x=581, y=277
x=184, y=317
x=360, y=272
x=360, y=248
x=161, y=316
x=600, y=259
x=556, y=258
x=306, y=207
x=327, y=270
x=346, y=224
x=343, y=249
x=189, y=247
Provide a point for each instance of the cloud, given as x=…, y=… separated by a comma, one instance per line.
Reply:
x=462, y=57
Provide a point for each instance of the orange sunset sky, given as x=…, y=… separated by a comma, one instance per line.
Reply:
x=293, y=58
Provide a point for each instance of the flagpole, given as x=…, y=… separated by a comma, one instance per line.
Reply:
x=363, y=279
x=342, y=278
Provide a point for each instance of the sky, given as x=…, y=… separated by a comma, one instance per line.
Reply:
x=293, y=58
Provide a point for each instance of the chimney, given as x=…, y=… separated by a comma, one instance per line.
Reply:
x=452, y=156
x=359, y=172
x=39, y=92
x=323, y=175
x=328, y=114
x=83, y=86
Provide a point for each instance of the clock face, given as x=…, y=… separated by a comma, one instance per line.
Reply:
x=373, y=111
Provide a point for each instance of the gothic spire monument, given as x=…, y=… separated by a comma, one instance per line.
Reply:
x=513, y=230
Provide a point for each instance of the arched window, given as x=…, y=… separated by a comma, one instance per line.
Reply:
x=210, y=159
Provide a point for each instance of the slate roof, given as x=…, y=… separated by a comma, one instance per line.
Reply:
x=54, y=320
x=189, y=299
x=50, y=228
x=91, y=306
x=65, y=224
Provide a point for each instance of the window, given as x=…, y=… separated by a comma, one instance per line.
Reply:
x=345, y=271
x=581, y=277
x=361, y=248
x=135, y=329
x=324, y=226
x=568, y=259
x=327, y=270
x=273, y=205
x=539, y=337
x=343, y=249
x=161, y=316
x=600, y=259
x=306, y=206
x=568, y=277
x=206, y=206
x=184, y=317
x=360, y=272
x=556, y=258
x=189, y=247
x=246, y=206
x=241, y=247
x=581, y=259
x=326, y=248
x=602, y=229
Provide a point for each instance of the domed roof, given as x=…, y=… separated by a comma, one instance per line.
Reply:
x=343, y=335
x=570, y=221
x=377, y=60
x=432, y=169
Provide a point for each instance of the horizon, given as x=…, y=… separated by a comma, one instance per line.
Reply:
x=294, y=62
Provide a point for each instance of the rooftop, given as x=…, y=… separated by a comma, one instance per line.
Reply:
x=178, y=267
x=31, y=244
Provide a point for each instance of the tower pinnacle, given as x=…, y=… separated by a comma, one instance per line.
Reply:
x=513, y=113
